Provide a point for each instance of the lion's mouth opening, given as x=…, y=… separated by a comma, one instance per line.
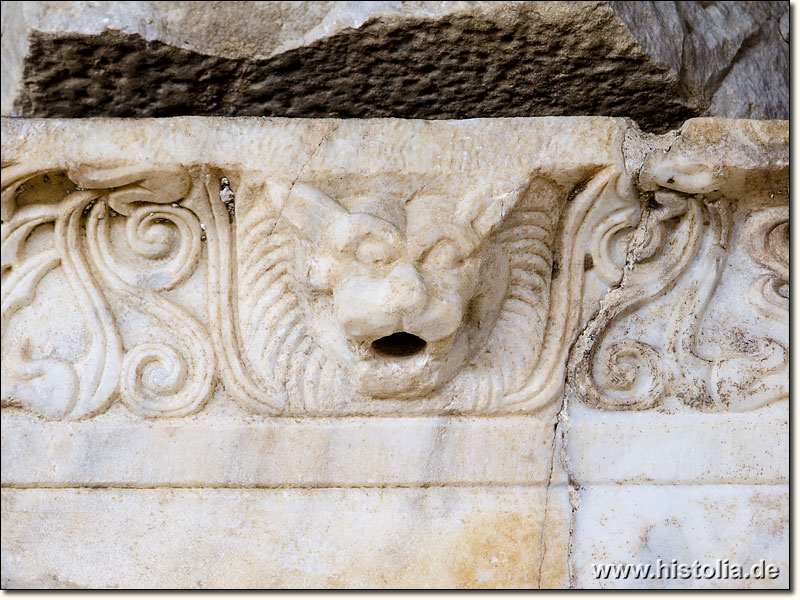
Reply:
x=399, y=344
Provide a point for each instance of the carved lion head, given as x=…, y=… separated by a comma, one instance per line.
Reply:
x=397, y=289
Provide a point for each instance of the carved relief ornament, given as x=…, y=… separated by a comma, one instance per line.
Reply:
x=417, y=304
x=380, y=293
x=679, y=252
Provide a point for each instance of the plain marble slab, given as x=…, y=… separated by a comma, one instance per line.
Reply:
x=483, y=537
x=640, y=524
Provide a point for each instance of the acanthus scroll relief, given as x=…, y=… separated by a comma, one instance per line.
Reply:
x=674, y=269
x=384, y=295
x=118, y=239
x=768, y=244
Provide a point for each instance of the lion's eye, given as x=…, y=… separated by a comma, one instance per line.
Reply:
x=372, y=251
x=443, y=255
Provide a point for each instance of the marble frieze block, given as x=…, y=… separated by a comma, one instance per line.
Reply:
x=423, y=347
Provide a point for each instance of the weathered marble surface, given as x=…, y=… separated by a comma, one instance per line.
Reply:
x=197, y=362
x=656, y=62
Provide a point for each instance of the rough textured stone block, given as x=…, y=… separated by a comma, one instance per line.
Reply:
x=386, y=353
x=656, y=62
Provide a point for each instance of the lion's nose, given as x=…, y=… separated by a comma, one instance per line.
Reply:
x=369, y=308
x=405, y=291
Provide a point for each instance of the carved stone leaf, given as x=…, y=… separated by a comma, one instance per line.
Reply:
x=768, y=245
x=395, y=269
x=679, y=253
x=152, y=379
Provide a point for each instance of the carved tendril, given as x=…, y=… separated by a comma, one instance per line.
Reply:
x=630, y=374
x=153, y=378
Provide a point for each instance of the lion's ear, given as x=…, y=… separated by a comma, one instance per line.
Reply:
x=309, y=211
x=484, y=213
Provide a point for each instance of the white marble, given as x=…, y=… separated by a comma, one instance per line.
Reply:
x=216, y=451
x=717, y=525
x=683, y=447
x=483, y=537
x=386, y=353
